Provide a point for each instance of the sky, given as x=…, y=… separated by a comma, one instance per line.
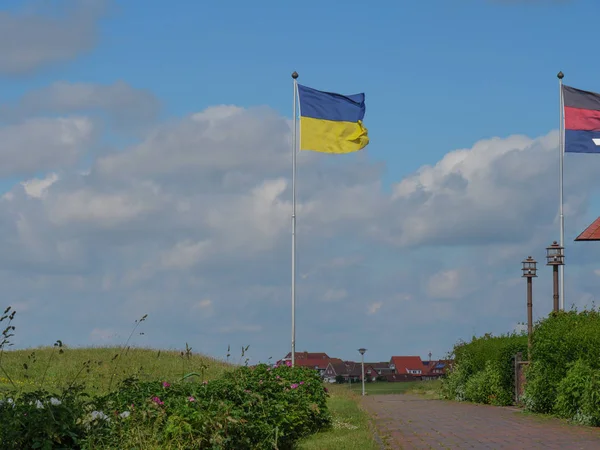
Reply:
x=146, y=152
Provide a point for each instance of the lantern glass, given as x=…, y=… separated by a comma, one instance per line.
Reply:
x=554, y=255
x=529, y=268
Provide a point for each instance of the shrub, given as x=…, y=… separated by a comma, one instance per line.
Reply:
x=259, y=408
x=566, y=346
x=483, y=369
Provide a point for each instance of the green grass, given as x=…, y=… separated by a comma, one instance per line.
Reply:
x=33, y=368
x=351, y=425
x=428, y=388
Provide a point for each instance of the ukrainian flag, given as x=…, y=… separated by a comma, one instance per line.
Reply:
x=331, y=123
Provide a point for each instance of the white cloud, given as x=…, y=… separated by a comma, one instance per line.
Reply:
x=37, y=187
x=43, y=144
x=30, y=40
x=193, y=222
x=127, y=105
x=374, y=307
x=446, y=284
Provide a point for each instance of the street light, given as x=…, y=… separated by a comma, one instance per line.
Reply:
x=555, y=258
x=362, y=362
x=529, y=271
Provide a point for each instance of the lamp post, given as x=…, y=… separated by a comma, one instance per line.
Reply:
x=555, y=258
x=362, y=363
x=529, y=271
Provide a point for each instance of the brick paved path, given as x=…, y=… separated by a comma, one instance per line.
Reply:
x=414, y=422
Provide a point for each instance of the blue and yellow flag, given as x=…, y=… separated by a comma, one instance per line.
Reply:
x=331, y=123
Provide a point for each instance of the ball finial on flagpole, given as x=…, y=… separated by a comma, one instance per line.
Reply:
x=295, y=75
x=560, y=75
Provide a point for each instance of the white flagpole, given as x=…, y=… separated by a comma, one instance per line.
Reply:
x=294, y=149
x=561, y=149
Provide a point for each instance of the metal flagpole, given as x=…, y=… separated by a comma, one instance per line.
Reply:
x=294, y=149
x=561, y=149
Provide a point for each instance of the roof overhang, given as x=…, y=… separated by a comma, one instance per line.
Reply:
x=591, y=233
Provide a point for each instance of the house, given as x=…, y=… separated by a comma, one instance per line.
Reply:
x=407, y=365
x=317, y=361
x=306, y=355
x=348, y=370
x=380, y=368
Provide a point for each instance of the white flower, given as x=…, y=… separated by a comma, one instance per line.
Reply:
x=99, y=415
x=55, y=401
x=38, y=404
x=124, y=414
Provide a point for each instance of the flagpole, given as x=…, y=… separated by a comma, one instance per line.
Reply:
x=561, y=149
x=294, y=149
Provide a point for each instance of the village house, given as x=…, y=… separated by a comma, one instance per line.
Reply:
x=399, y=368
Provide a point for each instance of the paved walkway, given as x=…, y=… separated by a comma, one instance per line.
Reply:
x=414, y=422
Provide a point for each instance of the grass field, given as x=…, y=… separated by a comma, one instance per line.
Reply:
x=47, y=367
x=428, y=388
x=351, y=425
x=99, y=367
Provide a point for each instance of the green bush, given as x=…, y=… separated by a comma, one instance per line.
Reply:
x=483, y=369
x=258, y=408
x=577, y=394
x=565, y=346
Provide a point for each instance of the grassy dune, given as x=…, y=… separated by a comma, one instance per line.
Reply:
x=98, y=368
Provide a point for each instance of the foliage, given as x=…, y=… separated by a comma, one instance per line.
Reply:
x=255, y=407
x=483, y=369
x=69, y=398
x=564, y=377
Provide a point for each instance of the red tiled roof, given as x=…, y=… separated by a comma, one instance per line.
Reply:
x=591, y=233
x=307, y=355
x=404, y=363
x=316, y=362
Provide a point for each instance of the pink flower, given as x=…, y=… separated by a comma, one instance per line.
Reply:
x=205, y=382
x=288, y=363
x=166, y=385
x=158, y=401
x=294, y=386
x=278, y=377
x=302, y=382
x=191, y=399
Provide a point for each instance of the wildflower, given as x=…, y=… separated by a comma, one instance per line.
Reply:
x=205, y=382
x=166, y=385
x=99, y=415
x=278, y=377
x=124, y=414
x=288, y=363
x=158, y=401
x=55, y=401
x=247, y=391
x=294, y=386
x=38, y=404
x=302, y=382
x=191, y=399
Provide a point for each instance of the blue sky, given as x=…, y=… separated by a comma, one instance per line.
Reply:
x=386, y=247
